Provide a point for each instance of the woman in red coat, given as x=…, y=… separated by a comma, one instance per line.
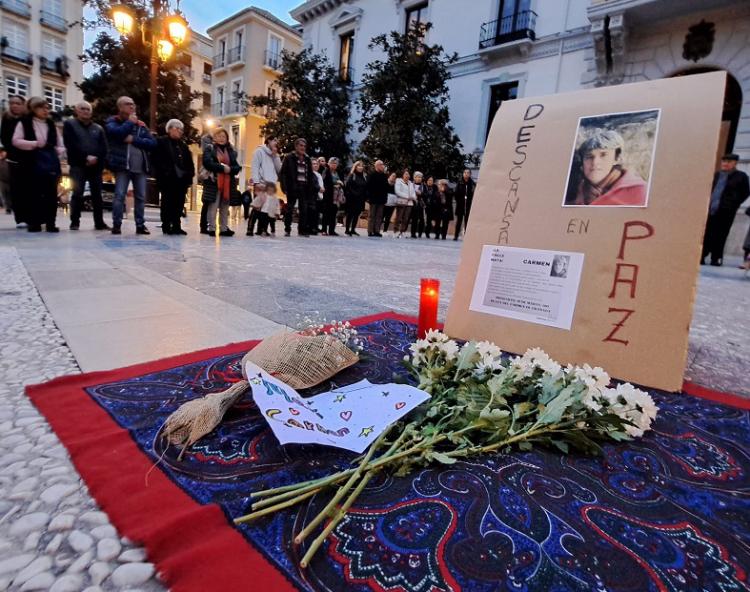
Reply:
x=602, y=180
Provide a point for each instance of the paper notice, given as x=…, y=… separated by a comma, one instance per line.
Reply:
x=528, y=285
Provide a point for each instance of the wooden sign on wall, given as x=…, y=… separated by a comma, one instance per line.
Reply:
x=586, y=228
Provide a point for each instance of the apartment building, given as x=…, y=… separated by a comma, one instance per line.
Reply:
x=40, y=43
x=247, y=58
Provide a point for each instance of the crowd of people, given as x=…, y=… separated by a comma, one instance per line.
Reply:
x=317, y=189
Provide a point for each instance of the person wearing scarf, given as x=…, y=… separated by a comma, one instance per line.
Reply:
x=602, y=179
x=221, y=161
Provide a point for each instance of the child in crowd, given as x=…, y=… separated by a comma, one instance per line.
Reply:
x=269, y=211
x=259, y=199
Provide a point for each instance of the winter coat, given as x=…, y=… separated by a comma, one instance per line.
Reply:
x=211, y=163
x=265, y=166
x=405, y=191
x=377, y=188
x=83, y=140
x=355, y=189
x=464, y=193
x=173, y=163
x=444, y=205
x=7, y=127
x=430, y=199
x=119, y=152
x=288, y=177
x=628, y=190
x=37, y=161
x=736, y=191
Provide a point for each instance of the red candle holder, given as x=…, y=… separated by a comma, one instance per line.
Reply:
x=429, y=296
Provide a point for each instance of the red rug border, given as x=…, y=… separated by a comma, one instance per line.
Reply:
x=188, y=525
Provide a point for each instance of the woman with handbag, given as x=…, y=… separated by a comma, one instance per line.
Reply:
x=40, y=148
x=355, y=189
x=218, y=189
x=406, y=197
x=174, y=170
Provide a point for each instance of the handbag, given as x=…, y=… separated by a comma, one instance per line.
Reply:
x=339, y=197
x=391, y=200
x=403, y=201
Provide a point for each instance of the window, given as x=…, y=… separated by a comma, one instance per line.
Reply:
x=514, y=15
x=16, y=85
x=220, y=57
x=236, y=93
x=207, y=69
x=499, y=93
x=206, y=101
x=55, y=97
x=274, y=45
x=220, y=100
x=236, y=136
x=415, y=15
x=238, y=38
x=52, y=48
x=53, y=7
x=345, y=55
x=16, y=34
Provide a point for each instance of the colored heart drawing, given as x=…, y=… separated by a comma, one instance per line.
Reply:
x=400, y=405
x=293, y=411
x=346, y=415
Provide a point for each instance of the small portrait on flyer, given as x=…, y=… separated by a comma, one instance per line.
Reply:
x=612, y=160
x=560, y=266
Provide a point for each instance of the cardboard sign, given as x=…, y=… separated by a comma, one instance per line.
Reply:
x=615, y=181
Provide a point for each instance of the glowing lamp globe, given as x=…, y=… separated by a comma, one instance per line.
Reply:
x=123, y=19
x=165, y=49
x=177, y=29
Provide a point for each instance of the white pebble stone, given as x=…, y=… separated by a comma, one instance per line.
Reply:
x=80, y=541
x=132, y=556
x=108, y=549
x=39, y=565
x=106, y=531
x=96, y=518
x=132, y=574
x=63, y=559
x=68, y=583
x=81, y=563
x=99, y=572
x=28, y=484
x=15, y=563
x=93, y=589
x=29, y=522
x=32, y=541
x=53, y=495
x=61, y=522
x=54, y=544
x=42, y=581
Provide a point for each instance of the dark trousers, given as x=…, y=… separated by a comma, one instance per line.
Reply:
x=432, y=224
x=18, y=200
x=314, y=216
x=376, y=219
x=42, y=201
x=329, y=216
x=172, y=203
x=459, y=225
x=441, y=227
x=387, y=215
x=263, y=220
x=353, y=210
x=417, y=221
x=79, y=176
x=204, y=216
x=253, y=222
x=717, y=231
x=291, y=201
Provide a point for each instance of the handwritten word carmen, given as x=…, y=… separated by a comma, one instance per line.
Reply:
x=626, y=274
x=523, y=139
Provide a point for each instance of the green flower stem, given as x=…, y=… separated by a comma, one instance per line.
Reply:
x=276, y=508
x=284, y=488
x=336, y=519
x=293, y=491
x=327, y=511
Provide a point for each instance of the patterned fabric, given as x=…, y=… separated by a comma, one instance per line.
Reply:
x=668, y=512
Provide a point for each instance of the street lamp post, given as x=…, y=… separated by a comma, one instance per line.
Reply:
x=165, y=31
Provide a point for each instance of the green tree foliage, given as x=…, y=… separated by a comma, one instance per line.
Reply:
x=311, y=102
x=403, y=106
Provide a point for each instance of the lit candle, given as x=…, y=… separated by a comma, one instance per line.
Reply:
x=429, y=295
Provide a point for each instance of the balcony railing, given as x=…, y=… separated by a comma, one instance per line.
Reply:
x=228, y=107
x=346, y=75
x=234, y=55
x=19, y=7
x=54, y=65
x=220, y=60
x=272, y=60
x=54, y=21
x=520, y=25
x=18, y=55
x=207, y=78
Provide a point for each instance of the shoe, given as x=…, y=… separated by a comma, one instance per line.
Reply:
x=355, y=233
x=179, y=231
x=226, y=232
x=455, y=238
x=377, y=234
x=116, y=230
x=287, y=233
x=22, y=225
x=334, y=233
x=34, y=228
x=74, y=226
x=717, y=262
x=51, y=228
x=204, y=231
x=249, y=233
x=101, y=227
x=142, y=230
x=165, y=230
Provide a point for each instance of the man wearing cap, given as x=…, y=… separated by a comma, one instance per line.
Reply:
x=730, y=188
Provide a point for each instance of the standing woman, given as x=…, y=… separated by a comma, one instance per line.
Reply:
x=432, y=212
x=40, y=149
x=390, y=202
x=222, y=162
x=445, y=209
x=355, y=189
x=417, y=212
x=174, y=170
x=331, y=182
x=406, y=197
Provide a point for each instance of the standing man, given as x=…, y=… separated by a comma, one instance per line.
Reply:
x=377, y=195
x=464, y=196
x=130, y=141
x=264, y=169
x=730, y=189
x=16, y=110
x=300, y=186
x=86, y=145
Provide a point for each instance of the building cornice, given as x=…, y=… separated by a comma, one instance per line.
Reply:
x=263, y=15
x=314, y=8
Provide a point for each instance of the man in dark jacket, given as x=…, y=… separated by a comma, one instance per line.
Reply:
x=174, y=169
x=16, y=110
x=86, y=145
x=300, y=186
x=377, y=196
x=464, y=195
x=130, y=141
x=730, y=189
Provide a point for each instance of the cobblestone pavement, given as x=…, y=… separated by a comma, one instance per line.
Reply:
x=52, y=535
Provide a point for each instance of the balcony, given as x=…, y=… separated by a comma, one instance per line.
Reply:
x=235, y=55
x=53, y=21
x=220, y=60
x=272, y=60
x=57, y=66
x=20, y=56
x=516, y=27
x=228, y=107
x=207, y=77
x=19, y=7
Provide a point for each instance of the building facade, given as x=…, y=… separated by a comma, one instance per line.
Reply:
x=40, y=44
x=247, y=57
x=522, y=48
